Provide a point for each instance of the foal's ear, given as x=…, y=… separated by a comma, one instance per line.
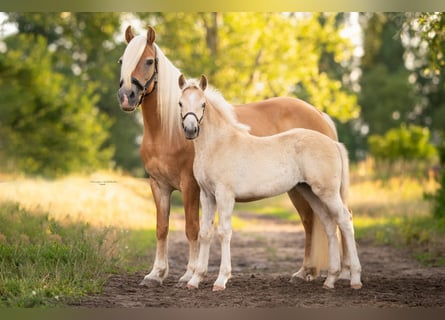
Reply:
x=129, y=34
x=203, y=82
x=181, y=81
x=151, y=35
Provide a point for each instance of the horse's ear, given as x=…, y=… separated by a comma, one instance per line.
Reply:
x=129, y=34
x=151, y=35
x=181, y=81
x=203, y=82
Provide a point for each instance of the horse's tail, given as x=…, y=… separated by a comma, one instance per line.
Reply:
x=331, y=123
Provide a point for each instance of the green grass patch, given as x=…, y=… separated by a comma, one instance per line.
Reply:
x=424, y=235
x=45, y=262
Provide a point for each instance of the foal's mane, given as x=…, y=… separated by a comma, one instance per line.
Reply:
x=217, y=100
x=168, y=93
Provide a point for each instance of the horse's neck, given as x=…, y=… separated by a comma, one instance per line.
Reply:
x=149, y=107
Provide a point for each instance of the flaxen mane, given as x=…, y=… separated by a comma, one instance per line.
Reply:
x=168, y=92
x=216, y=99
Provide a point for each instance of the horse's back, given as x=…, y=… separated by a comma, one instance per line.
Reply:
x=276, y=115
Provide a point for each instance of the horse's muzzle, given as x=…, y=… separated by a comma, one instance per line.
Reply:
x=128, y=100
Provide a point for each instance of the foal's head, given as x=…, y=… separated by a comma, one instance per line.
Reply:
x=192, y=104
x=139, y=69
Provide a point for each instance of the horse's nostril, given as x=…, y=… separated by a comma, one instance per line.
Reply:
x=132, y=94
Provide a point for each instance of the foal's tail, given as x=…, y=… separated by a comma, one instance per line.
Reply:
x=344, y=187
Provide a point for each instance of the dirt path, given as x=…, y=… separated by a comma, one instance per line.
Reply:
x=263, y=260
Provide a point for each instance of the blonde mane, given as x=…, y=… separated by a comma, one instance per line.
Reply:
x=217, y=100
x=132, y=54
x=168, y=93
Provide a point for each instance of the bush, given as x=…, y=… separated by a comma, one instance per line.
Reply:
x=406, y=143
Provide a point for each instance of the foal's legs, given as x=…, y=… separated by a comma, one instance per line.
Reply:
x=344, y=221
x=225, y=203
x=208, y=204
x=161, y=195
x=190, y=195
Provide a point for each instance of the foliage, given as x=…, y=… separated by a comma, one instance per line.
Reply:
x=406, y=142
x=86, y=49
x=49, y=125
x=253, y=56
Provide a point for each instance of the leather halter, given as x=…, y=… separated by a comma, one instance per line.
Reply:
x=153, y=79
x=199, y=120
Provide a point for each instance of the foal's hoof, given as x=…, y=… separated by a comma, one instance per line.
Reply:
x=181, y=284
x=150, y=283
x=217, y=288
x=356, y=286
x=328, y=285
x=191, y=287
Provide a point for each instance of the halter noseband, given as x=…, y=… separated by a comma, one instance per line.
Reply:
x=153, y=79
x=199, y=120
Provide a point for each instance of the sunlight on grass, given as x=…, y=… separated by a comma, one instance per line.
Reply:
x=101, y=199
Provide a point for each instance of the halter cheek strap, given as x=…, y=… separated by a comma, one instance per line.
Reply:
x=153, y=79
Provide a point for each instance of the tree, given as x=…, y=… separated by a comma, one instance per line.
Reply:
x=387, y=97
x=84, y=48
x=49, y=125
x=253, y=56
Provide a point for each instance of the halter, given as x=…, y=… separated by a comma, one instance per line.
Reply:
x=199, y=120
x=153, y=79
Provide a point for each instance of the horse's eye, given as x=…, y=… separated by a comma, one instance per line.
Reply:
x=203, y=105
x=149, y=62
x=119, y=61
x=180, y=104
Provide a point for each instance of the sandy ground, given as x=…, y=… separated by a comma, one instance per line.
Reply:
x=263, y=260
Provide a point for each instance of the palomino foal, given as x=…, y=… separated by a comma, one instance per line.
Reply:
x=231, y=164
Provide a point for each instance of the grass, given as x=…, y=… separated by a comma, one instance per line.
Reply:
x=44, y=262
x=60, y=239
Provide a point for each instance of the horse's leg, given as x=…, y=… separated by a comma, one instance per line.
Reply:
x=310, y=269
x=344, y=221
x=225, y=204
x=190, y=195
x=208, y=204
x=161, y=195
x=314, y=198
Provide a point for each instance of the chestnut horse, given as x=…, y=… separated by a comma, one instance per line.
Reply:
x=300, y=159
x=149, y=79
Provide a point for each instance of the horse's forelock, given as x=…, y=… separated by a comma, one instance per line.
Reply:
x=131, y=57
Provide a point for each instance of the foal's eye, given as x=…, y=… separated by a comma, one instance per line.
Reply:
x=203, y=105
x=119, y=61
x=180, y=104
x=149, y=62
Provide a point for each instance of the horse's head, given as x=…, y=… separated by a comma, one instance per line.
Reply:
x=192, y=104
x=139, y=69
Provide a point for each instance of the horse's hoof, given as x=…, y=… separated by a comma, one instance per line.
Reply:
x=191, y=287
x=356, y=286
x=217, y=288
x=309, y=277
x=181, y=284
x=328, y=286
x=150, y=283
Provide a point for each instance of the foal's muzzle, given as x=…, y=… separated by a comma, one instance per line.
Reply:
x=190, y=124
